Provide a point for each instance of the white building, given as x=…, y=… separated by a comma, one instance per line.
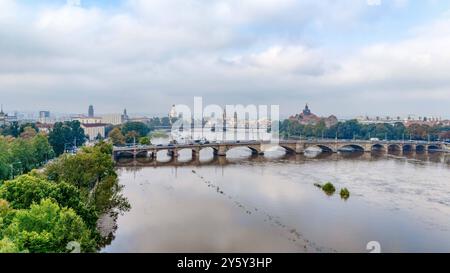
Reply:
x=93, y=130
x=173, y=112
x=113, y=119
x=88, y=120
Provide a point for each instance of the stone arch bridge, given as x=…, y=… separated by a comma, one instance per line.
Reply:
x=298, y=147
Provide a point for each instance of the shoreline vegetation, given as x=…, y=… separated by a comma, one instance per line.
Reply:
x=60, y=206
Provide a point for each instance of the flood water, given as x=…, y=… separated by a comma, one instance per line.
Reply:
x=270, y=203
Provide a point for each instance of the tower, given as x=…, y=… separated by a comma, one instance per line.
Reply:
x=124, y=116
x=306, y=111
x=91, y=111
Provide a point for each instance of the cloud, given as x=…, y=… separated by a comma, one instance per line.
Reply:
x=147, y=55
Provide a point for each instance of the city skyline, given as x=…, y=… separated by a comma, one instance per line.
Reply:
x=35, y=114
x=367, y=58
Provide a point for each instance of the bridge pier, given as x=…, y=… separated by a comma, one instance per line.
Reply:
x=221, y=151
x=195, y=153
x=173, y=153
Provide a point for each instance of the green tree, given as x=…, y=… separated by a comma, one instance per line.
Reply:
x=116, y=137
x=42, y=150
x=141, y=129
x=145, y=141
x=7, y=246
x=28, y=132
x=5, y=168
x=25, y=190
x=131, y=137
x=12, y=129
x=22, y=155
x=66, y=134
x=48, y=228
x=92, y=172
x=82, y=170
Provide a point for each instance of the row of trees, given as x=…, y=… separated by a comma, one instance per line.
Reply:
x=15, y=129
x=22, y=154
x=65, y=135
x=48, y=211
x=353, y=129
x=138, y=132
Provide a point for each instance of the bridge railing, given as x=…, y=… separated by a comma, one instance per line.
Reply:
x=243, y=143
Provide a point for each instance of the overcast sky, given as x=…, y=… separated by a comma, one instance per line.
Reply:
x=343, y=57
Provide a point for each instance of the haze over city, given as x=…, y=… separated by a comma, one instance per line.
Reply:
x=347, y=58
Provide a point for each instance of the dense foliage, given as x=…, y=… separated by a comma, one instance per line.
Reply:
x=46, y=211
x=66, y=135
x=45, y=227
x=353, y=129
x=137, y=132
x=21, y=155
x=15, y=129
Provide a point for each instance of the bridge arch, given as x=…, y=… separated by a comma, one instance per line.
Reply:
x=407, y=147
x=288, y=149
x=394, y=147
x=378, y=147
x=351, y=147
x=324, y=148
x=239, y=148
x=205, y=149
x=420, y=148
x=142, y=153
x=124, y=154
x=433, y=148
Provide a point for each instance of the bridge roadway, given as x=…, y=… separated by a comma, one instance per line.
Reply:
x=291, y=146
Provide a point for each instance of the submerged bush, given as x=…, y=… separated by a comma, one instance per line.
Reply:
x=345, y=193
x=329, y=188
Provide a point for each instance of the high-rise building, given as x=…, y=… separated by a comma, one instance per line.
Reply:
x=91, y=111
x=44, y=117
x=44, y=114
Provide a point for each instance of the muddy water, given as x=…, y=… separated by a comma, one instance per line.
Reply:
x=270, y=203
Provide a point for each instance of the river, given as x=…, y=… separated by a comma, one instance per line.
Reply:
x=270, y=203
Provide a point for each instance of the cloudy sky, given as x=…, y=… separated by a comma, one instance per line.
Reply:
x=344, y=57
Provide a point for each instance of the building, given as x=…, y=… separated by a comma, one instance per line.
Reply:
x=113, y=119
x=173, y=112
x=116, y=119
x=94, y=130
x=91, y=111
x=410, y=120
x=44, y=117
x=88, y=120
x=6, y=119
x=306, y=117
x=3, y=117
x=139, y=119
x=125, y=116
x=44, y=127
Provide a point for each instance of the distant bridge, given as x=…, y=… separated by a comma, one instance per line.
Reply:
x=291, y=146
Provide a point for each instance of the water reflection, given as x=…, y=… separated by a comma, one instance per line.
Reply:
x=245, y=203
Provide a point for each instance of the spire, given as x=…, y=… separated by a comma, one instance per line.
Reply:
x=1, y=112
